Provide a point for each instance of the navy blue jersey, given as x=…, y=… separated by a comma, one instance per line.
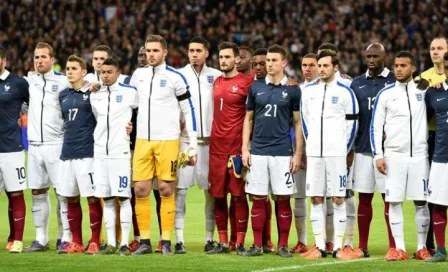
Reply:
x=79, y=124
x=366, y=89
x=13, y=93
x=273, y=107
x=437, y=104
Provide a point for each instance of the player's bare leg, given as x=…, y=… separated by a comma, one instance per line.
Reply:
x=143, y=213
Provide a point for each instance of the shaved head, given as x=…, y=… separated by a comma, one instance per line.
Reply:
x=375, y=58
x=377, y=46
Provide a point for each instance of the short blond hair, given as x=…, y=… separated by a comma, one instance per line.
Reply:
x=41, y=45
x=157, y=38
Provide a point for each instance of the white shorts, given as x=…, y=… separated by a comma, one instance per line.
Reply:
x=270, y=173
x=12, y=171
x=186, y=176
x=406, y=176
x=438, y=184
x=76, y=178
x=112, y=177
x=43, y=165
x=326, y=176
x=367, y=178
x=300, y=179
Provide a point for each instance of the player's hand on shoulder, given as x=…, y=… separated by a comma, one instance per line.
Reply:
x=422, y=84
x=381, y=166
x=438, y=85
x=292, y=82
x=350, y=157
x=345, y=76
x=94, y=87
x=246, y=158
x=129, y=128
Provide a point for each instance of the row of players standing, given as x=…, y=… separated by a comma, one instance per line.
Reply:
x=266, y=113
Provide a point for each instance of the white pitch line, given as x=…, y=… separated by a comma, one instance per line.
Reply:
x=315, y=264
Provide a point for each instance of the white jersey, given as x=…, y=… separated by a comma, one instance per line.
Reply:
x=112, y=107
x=95, y=78
x=329, y=113
x=400, y=113
x=163, y=93
x=305, y=83
x=45, y=123
x=201, y=89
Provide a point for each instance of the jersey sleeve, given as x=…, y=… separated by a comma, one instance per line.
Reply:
x=429, y=109
x=351, y=117
x=24, y=88
x=295, y=98
x=377, y=126
x=187, y=109
x=134, y=98
x=250, y=102
x=304, y=114
x=133, y=79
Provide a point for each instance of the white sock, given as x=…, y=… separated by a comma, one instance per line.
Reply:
x=317, y=219
x=209, y=216
x=125, y=220
x=329, y=227
x=300, y=215
x=66, y=235
x=340, y=223
x=422, y=223
x=41, y=214
x=181, y=195
x=396, y=224
x=110, y=215
x=351, y=220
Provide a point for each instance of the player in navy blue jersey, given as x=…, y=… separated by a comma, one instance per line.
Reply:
x=437, y=104
x=76, y=164
x=271, y=105
x=13, y=93
x=367, y=179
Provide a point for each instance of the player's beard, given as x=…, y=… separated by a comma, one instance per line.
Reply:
x=227, y=69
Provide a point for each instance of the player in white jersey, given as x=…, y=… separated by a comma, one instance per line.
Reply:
x=112, y=106
x=45, y=135
x=311, y=75
x=163, y=95
x=400, y=114
x=200, y=78
x=99, y=55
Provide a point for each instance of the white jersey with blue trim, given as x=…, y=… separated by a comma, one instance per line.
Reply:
x=399, y=112
x=329, y=118
x=163, y=94
x=112, y=107
x=45, y=123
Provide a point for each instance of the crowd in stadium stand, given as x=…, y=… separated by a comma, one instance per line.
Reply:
x=76, y=27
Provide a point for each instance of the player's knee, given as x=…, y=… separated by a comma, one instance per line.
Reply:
x=16, y=193
x=74, y=199
x=317, y=200
x=282, y=197
x=92, y=200
x=419, y=203
x=338, y=200
x=142, y=189
x=257, y=197
x=122, y=199
x=39, y=191
x=166, y=189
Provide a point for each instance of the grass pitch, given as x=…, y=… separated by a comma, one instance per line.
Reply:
x=196, y=259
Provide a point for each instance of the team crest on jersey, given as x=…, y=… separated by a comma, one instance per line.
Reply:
x=419, y=96
x=119, y=98
x=234, y=88
x=210, y=79
x=54, y=88
x=162, y=83
x=84, y=98
x=334, y=99
x=7, y=87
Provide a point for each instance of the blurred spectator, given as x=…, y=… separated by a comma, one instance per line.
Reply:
x=76, y=27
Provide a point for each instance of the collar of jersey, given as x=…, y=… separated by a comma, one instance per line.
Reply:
x=4, y=75
x=84, y=88
x=331, y=83
x=159, y=68
x=403, y=85
x=384, y=73
x=104, y=87
x=49, y=73
x=282, y=82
